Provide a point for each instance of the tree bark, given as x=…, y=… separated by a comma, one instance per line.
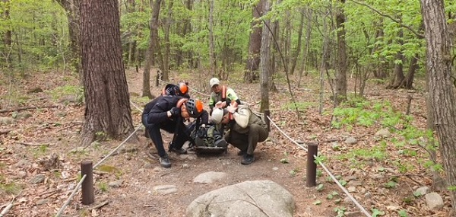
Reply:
x=212, y=57
x=298, y=48
x=398, y=67
x=72, y=8
x=107, y=111
x=441, y=90
x=7, y=37
x=265, y=75
x=341, y=71
x=150, y=52
x=253, y=60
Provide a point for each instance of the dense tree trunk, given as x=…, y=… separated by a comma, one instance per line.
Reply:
x=341, y=69
x=253, y=60
x=150, y=52
x=72, y=8
x=295, y=55
x=265, y=75
x=107, y=110
x=167, y=43
x=212, y=58
x=441, y=90
x=398, y=67
x=7, y=40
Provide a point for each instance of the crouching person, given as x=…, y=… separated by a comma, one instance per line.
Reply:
x=246, y=129
x=169, y=113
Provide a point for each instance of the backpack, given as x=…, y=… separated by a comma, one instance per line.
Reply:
x=208, y=136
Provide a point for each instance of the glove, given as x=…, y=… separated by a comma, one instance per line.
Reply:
x=228, y=102
x=175, y=112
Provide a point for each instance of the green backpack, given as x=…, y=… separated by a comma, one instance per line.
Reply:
x=208, y=136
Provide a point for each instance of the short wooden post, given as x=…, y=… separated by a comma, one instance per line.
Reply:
x=267, y=114
x=311, y=177
x=87, y=185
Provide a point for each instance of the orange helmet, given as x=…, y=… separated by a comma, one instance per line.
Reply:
x=194, y=107
x=183, y=87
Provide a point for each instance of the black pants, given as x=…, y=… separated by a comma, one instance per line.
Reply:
x=247, y=141
x=177, y=127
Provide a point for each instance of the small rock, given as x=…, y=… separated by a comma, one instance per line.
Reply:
x=6, y=120
x=165, y=189
x=423, y=190
x=42, y=201
x=38, y=179
x=351, y=140
x=384, y=133
x=21, y=174
x=115, y=184
x=434, y=201
x=275, y=168
x=351, y=189
x=185, y=166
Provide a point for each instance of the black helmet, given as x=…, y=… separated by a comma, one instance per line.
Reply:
x=194, y=107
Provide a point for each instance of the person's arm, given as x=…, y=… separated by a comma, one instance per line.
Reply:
x=231, y=96
x=160, y=113
x=240, y=115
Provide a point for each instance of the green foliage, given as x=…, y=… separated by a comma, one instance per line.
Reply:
x=340, y=211
x=402, y=213
x=301, y=106
x=376, y=212
x=103, y=186
x=76, y=93
x=320, y=187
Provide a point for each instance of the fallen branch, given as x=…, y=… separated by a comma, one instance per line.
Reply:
x=30, y=144
x=6, y=209
x=100, y=205
x=4, y=132
x=27, y=108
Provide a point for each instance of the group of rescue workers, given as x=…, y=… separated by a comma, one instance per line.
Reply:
x=241, y=127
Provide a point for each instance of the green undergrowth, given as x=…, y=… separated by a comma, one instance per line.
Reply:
x=405, y=150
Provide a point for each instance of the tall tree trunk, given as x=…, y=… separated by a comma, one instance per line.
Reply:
x=105, y=84
x=212, y=57
x=253, y=60
x=72, y=8
x=441, y=90
x=298, y=48
x=7, y=37
x=150, y=52
x=166, y=57
x=398, y=67
x=341, y=69
x=265, y=75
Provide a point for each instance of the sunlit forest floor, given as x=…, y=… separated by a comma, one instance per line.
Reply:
x=41, y=116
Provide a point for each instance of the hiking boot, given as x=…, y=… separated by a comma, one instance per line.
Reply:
x=241, y=153
x=177, y=151
x=248, y=159
x=164, y=162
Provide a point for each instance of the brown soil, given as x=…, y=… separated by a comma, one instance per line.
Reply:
x=56, y=130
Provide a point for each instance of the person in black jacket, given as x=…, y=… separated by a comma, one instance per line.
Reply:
x=169, y=113
x=181, y=89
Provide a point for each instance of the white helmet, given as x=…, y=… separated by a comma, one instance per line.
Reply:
x=214, y=81
x=217, y=115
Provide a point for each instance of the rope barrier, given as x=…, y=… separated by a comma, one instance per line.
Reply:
x=96, y=165
x=71, y=196
x=327, y=171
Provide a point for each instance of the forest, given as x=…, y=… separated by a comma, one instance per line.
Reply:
x=346, y=48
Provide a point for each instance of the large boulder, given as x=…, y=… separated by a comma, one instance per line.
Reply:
x=251, y=198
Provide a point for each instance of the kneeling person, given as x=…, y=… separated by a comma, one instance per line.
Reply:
x=246, y=129
x=169, y=113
